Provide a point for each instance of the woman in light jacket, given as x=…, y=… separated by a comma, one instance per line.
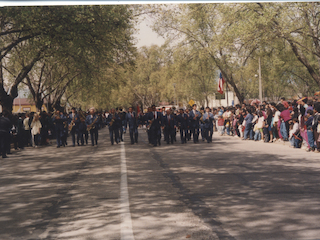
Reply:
x=35, y=130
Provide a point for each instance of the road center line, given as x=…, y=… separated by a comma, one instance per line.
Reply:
x=126, y=223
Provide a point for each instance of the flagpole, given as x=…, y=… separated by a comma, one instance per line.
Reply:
x=227, y=93
x=260, y=82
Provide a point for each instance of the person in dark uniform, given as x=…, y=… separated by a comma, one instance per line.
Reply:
x=82, y=128
x=154, y=123
x=169, y=126
x=120, y=122
x=182, y=120
x=194, y=117
x=188, y=135
x=113, y=121
x=146, y=122
x=73, y=122
x=5, y=126
x=163, y=114
x=92, y=122
x=65, y=129
x=132, y=121
x=58, y=120
x=208, y=125
x=201, y=124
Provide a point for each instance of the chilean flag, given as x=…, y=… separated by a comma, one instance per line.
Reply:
x=220, y=84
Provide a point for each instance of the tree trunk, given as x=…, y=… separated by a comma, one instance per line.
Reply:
x=50, y=107
x=6, y=102
x=232, y=83
x=39, y=103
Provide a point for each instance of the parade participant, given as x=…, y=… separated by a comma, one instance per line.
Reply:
x=163, y=111
x=182, y=120
x=194, y=117
x=58, y=120
x=154, y=124
x=121, y=122
x=112, y=121
x=92, y=122
x=132, y=121
x=188, y=135
x=175, y=114
x=146, y=120
x=65, y=129
x=163, y=114
x=5, y=126
x=208, y=125
x=201, y=124
x=169, y=126
x=82, y=129
x=45, y=127
x=73, y=121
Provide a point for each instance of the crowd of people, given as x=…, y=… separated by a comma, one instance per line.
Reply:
x=295, y=121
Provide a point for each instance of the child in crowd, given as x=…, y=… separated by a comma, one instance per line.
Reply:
x=294, y=135
x=260, y=124
x=227, y=125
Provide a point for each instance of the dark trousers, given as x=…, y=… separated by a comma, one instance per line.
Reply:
x=188, y=134
x=183, y=135
x=21, y=139
x=121, y=133
x=208, y=131
x=94, y=136
x=135, y=133
x=154, y=135
x=195, y=134
x=73, y=136
x=148, y=133
x=43, y=136
x=86, y=136
x=27, y=138
x=287, y=126
x=203, y=133
x=80, y=138
x=164, y=135
x=169, y=134
x=58, y=137
x=114, y=135
x=3, y=143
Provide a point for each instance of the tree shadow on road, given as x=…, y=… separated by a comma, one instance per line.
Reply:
x=66, y=193
x=238, y=194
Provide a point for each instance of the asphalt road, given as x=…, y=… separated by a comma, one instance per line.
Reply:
x=228, y=189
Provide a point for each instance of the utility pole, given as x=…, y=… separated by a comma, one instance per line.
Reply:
x=174, y=86
x=260, y=82
x=227, y=94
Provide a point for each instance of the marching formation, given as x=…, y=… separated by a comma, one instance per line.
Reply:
x=295, y=121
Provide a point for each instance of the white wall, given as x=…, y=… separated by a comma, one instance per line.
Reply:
x=223, y=102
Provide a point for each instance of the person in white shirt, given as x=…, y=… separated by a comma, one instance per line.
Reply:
x=35, y=130
x=27, y=132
